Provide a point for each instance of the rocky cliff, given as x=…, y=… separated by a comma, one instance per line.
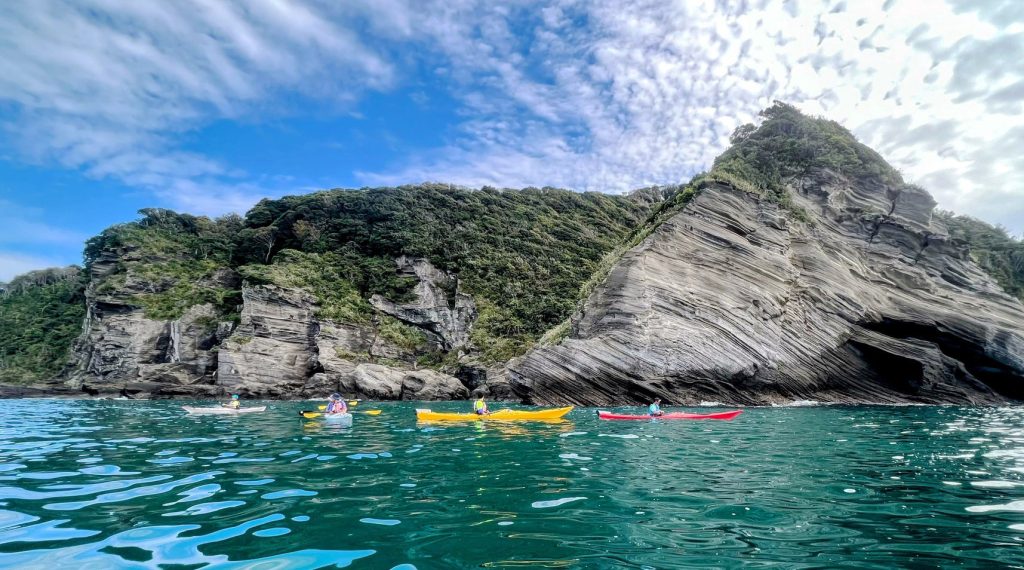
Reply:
x=849, y=290
x=122, y=352
x=280, y=348
x=802, y=267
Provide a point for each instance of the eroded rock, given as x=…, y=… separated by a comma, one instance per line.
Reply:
x=722, y=302
x=444, y=312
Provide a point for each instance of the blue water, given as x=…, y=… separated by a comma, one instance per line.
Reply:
x=101, y=484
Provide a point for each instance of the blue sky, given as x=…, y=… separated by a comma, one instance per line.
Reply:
x=206, y=106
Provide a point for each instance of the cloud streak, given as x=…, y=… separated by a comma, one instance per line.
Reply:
x=110, y=87
x=599, y=95
x=648, y=92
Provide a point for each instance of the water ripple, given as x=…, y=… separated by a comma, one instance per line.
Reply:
x=138, y=485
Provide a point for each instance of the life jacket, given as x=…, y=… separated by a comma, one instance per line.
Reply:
x=479, y=405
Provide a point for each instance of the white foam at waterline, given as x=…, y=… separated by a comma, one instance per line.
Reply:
x=711, y=404
x=798, y=404
x=555, y=503
x=1014, y=506
x=572, y=433
x=995, y=484
x=621, y=436
x=575, y=456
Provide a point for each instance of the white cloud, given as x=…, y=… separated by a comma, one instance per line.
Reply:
x=601, y=95
x=109, y=87
x=648, y=92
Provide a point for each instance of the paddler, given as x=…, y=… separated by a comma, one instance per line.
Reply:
x=655, y=408
x=234, y=404
x=336, y=405
x=480, y=407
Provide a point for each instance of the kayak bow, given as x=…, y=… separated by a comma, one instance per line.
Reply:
x=670, y=416
x=500, y=415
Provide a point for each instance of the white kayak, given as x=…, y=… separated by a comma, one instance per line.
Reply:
x=343, y=420
x=221, y=411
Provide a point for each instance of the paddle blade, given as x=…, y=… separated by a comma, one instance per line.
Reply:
x=372, y=412
x=353, y=402
x=310, y=415
x=321, y=408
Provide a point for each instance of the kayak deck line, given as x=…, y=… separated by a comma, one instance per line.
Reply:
x=221, y=410
x=601, y=414
x=500, y=415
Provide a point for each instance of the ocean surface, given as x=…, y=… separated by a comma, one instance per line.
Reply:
x=139, y=484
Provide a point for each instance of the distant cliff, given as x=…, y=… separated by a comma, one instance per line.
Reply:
x=420, y=292
x=801, y=267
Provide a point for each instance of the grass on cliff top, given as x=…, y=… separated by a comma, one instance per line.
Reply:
x=325, y=276
x=678, y=197
x=40, y=315
x=789, y=144
x=174, y=256
x=992, y=248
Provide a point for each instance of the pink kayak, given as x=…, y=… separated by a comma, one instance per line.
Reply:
x=671, y=416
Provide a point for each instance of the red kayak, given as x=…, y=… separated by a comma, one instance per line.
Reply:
x=671, y=416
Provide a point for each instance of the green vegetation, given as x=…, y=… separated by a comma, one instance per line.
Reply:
x=403, y=336
x=676, y=198
x=172, y=260
x=992, y=247
x=40, y=315
x=325, y=276
x=520, y=253
x=790, y=144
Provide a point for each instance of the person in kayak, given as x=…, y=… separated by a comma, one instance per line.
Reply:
x=336, y=405
x=655, y=408
x=234, y=404
x=480, y=407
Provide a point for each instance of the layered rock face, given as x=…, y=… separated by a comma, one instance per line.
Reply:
x=279, y=349
x=731, y=301
x=273, y=349
x=122, y=352
x=440, y=309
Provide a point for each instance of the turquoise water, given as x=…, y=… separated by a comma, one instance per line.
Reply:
x=100, y=484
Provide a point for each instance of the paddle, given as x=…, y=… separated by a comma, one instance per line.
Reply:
x=311, y=414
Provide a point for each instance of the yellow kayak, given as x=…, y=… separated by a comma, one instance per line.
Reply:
x=549, y=414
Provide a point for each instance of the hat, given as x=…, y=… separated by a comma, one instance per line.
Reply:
x=335, y=396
